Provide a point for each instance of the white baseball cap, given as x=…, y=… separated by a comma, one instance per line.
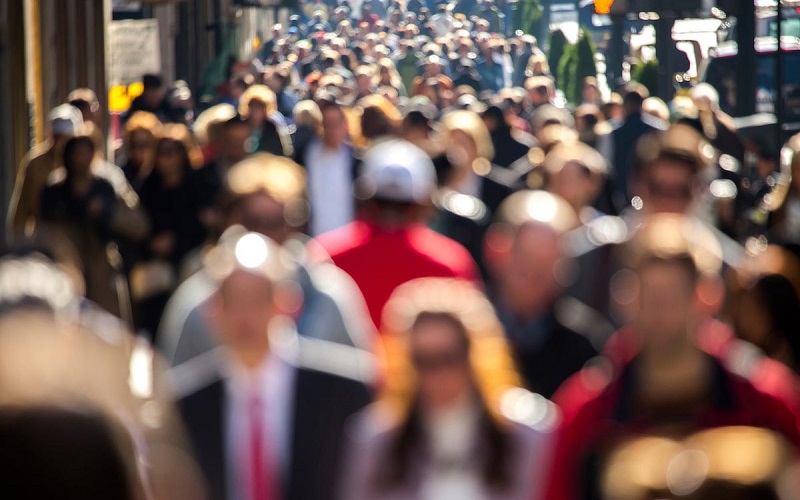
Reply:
x=65, y=119
x=396, y=170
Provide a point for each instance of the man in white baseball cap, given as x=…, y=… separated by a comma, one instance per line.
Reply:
x=65, y=121
x=390, y=244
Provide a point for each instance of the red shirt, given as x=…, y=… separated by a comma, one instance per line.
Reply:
x=380, y=260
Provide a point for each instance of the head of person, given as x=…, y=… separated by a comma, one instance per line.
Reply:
x=265, y=194
x=256, y=104
x=78, y=155
x=494, y=118
x=469, y=144
x=576, y=173
x=524, y=251
x=65, y=121
x=279, y=78
x=668, y=168
x=86, y=101
x=398, y=181
x=176, y=153
x=363, y=76
x=670, y=255
x=238, y=84
x=379, y=117
x=234, y=139
x=633, y=101
x=250, y=270
x=307, y=114
x=539, y=90
x=445, y=349
x=334, y=124
x=139, y=136
x=590, y=91
x=154, y=90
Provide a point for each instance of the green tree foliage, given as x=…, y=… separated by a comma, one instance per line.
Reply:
x=556, y=45
x=646, y=73
x=586, y=65
x=526, y=16
x=577, y=63
x=567, y=70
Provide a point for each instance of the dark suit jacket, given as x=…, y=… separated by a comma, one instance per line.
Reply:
x=624, y=140
x=548, y=362
x=498, y=185
x=322, y=403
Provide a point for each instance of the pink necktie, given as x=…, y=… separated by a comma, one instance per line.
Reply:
x=263, y=485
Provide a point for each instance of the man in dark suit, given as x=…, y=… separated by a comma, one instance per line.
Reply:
x=265, y=412
x=548, y=333
x=624, y=139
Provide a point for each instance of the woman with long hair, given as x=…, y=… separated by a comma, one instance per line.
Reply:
x=451, y=421
x=176, y=200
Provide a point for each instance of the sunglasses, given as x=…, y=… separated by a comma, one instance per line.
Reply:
x=433, y=362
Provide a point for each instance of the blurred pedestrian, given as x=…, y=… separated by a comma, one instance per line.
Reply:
x=391, y=245
x=266, y=422
x=445, y=425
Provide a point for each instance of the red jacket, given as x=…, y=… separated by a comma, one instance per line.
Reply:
x=595, y=411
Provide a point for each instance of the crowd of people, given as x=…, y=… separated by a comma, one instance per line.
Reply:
x=390, y=262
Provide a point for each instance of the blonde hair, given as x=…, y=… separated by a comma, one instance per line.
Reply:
x=279, y=177
x=258, y=93
x=471, y=124
x=307, y=113
x=490, y=358
x=144, y=121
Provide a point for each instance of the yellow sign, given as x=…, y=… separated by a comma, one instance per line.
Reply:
x=121, y=96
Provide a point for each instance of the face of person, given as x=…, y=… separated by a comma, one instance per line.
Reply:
x=590, y=93
x=257, y=113
x=140, y=147
x=234, y=142
x=260, y=213
x=334, y=126
x=81, y=158
x=575, y=184
x=529, y=279
x=668, y=187
x=441, y=361
x=363, y=82
x=243, y=309
x=462, y=150
x=664, y=309
x=168, y=158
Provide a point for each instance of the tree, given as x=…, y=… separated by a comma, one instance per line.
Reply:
x=585, y=65
x=556, y=46
x=577, y=63
x=646, y=73
x=567, y=70
x=525, y=16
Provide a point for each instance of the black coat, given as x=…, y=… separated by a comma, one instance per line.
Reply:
x=547, y=363
x=322, y=403
x=507, y=150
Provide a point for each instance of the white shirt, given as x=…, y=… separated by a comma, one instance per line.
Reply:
x=275, y=382
x=330, y=187
x=452, y=440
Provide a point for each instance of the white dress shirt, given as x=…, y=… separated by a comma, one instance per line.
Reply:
x=330, y=187
x=274, y=380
